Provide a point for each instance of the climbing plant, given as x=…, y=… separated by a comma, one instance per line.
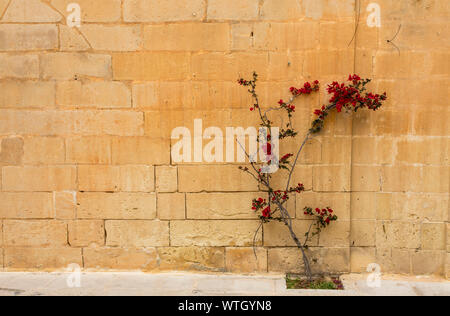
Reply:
x=349, y=96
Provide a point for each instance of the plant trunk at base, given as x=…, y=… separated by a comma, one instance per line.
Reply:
x=299, y=246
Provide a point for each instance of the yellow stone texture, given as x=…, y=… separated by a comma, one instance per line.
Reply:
x=137, y=233
x=244, y=260
x=97, y=259
x=132, y=206
x=86, y=233
x=214, y=233
x=192, y=259
x=241, y=10
x=166, y=179
x=171, y=206
x=158, y=11
x=87, y=175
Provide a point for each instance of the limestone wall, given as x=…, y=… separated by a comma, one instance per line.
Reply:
x=86, y=116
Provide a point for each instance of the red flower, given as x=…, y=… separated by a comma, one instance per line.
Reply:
x=281, y=102
x=286, y=157
x=266, y=212
x=268, y=149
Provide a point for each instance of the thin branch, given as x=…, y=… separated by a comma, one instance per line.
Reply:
x=357, y=23
x=307, y=234
x=391, y=41
x=254, y=238
x=296, y=160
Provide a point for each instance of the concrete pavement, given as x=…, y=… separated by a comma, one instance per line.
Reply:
x=185, y=284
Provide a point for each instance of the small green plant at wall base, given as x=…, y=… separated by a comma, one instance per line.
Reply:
x=350, y=96
x=319, y=284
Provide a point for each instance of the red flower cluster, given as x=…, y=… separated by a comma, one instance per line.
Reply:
x=299, y=189
x=288, y=107
x=350, y=96
x=266, y=212
x=308, y=88
x=324, y=216
x=285, y=158
x=243, y=82
x=321, y=113
x=258, y=204
x=261, y=205
x=354, y=78
x=278, y=195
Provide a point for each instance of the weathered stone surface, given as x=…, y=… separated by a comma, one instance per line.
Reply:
x=98, y=11
x=104, y=94
x=67, y=66
x=99, y=178
x=140, y=150
x=329, y=9
x=335, y=235
x=120, y=259
x=214, y=178
x=19, y=66
x=29, y=94
x=34, y=233
x=361, y=258
x=39, y=178
x=220, y=205
x=137, y=233
x=363, y=233
x=429, y=179
x=150, y=66
x=428, y=262
x=281, y=10
x=166, y=179
x=214, y=233
x=87, y=123
x=157, y=11
x=18, y=37
x=65, y=205
x=233, y=10
x=418, y=206
x=116, y=206
x=41, y=259
x=278, y=235
x=71, y=39
x=433, y=236
x=44, y=150
x=33, y=11
x=112, y=38
x=88, y=150
x=12, y=151
x=192, y=259
x=26, y=205
x=398, y=234
x=86, y=233
x=187, y=37
x=330, y=178
x=243, y=260
x=171, y=206
x=331, y=260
